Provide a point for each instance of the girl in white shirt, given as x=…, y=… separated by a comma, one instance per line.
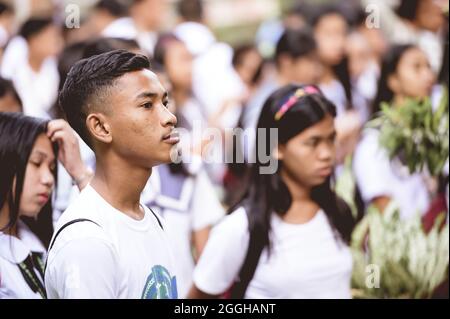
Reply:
x=287, y=239
x=406, y=73
x=28, y=150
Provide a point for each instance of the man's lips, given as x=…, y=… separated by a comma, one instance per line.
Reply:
x=172, y=138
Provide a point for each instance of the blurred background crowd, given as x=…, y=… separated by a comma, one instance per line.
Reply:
x=220, y=60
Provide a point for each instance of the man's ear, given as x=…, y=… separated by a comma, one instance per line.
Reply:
x=278, y=152
x=99, y=128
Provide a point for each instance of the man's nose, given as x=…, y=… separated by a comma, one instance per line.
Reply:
x=168, y=119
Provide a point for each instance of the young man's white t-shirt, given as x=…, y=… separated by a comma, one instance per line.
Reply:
x=197, y=209
x=118, y=258
x=14, y=251
x=306, y=261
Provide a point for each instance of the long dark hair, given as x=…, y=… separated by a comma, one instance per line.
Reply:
x=268, y=193
x=389, y=67
x=340, y=70
x=18, y=134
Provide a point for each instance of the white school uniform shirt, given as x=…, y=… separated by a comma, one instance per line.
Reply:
x=195, y=206
x=307, y=260
x=376, y=175
x=14, y=251
x=125, y=28
x=118, y=258
x=37, y=90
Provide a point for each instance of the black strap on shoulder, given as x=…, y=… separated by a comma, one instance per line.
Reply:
x=254, y=251
x=61, y=229
x=68, y=224
x=156, y=216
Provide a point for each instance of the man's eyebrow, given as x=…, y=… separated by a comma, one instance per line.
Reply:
x=146, y=95
x=151, y=95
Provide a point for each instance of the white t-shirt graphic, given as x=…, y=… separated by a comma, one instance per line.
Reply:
x=115, y=257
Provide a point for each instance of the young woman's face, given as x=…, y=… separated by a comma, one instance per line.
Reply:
x=305, y=69
x=309, y=157
x=179, y=65
x=39, y=179
x=48, y=42
x=247, y=68
x=414, y=77
x=330, y=34
x=430, y=15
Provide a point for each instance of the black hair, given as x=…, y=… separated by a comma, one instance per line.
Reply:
x=162, y=45
x=443, y=73
x=238, y=55
x=7, y=87
x=6, y=8
x=407, y=9
x=389, y=66
x=295, y=43
x=19, y=134
x=190, y=10
x=90, y=77
x=268, y=193
x=341, y=70
x=103, y=45
x=115, y=8
x=34, y=26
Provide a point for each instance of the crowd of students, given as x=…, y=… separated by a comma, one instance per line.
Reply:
x=93, y=203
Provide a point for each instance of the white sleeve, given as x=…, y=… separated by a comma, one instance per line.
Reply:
x=84, y=268
x=206, y=207
x=224, y=254
x=372, y=168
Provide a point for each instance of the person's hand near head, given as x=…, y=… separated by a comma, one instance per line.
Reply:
x=59, y=131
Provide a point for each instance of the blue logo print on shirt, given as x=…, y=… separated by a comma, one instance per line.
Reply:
x=160, y=285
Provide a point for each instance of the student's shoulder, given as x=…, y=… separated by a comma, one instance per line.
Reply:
x=82, y=219
x=234, y=223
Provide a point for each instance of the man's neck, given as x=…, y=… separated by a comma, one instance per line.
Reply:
x=120, y=184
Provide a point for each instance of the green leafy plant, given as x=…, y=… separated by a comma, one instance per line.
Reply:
x=410, y=262
x=416, y=134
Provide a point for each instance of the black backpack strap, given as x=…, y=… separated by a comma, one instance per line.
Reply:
x=68, y=224
x=157, y=218
x=254, y=251
x=61, y=229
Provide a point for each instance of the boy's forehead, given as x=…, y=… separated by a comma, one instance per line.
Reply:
x=141, y=80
